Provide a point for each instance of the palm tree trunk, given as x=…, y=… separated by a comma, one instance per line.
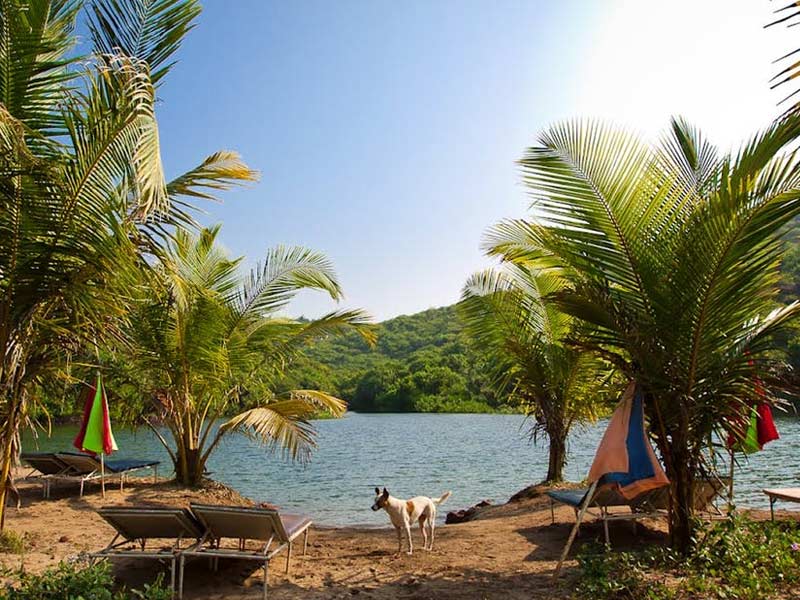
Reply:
x=558, y=457
x=681, y=472
x=7, y=441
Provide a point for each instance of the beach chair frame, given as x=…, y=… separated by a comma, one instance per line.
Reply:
x=123, y=538
x=210, y=544
x=36, y=474
x=93, y=471
x=651, y=504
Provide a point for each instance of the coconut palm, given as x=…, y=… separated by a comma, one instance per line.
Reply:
x=787, y=15
x=526, y=341
x=83, y=194
x=204, y=342
x=672, y=253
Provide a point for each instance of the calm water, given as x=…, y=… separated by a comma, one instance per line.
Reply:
x=475, y=456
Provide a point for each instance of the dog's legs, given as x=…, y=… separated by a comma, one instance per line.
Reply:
x=399, y=540
x=432, y=525
x=408, y=535
x=423, y=527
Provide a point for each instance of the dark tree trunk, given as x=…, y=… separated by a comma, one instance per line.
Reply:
x=189, y=467
x=10, y=428
x=558, y=458
x=682, y=470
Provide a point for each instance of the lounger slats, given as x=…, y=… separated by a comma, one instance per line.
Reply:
x=138, y=523
x=47, y=463
x=275, y=531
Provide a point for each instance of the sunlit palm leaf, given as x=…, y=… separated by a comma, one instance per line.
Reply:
x=148, y=30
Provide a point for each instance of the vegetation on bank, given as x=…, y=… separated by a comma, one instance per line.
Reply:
x=737, y=558
x=76, y=580
x=420, y=363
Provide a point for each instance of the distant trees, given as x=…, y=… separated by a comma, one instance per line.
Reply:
x=421, y=363
x=672, y=254
x=527, y=339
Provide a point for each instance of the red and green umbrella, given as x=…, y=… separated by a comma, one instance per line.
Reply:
x=95, y=435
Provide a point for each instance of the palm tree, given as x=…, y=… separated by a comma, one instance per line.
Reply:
x=672, y=253
x=204, y=342
x=787, y=16
x=83, y=196
x=525, y=339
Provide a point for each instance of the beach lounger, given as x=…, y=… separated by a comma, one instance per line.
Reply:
x=274, y=532
x=785, y=494
x=138, y=525
x=650, y=504
x=43, y=465
x=85, y=467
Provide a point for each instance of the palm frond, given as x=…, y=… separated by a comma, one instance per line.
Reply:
x=147, y=30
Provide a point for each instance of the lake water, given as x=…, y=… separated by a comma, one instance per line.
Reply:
x=476, y=456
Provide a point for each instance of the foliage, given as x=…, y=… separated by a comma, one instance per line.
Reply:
x=609, y=575
x=792, y=69
x=74, y=581
x=204, y=342
x=737, y=558
x=11, y=542
x=524, y=339
x=84, y=202
x=672, y=251
x=420, y=363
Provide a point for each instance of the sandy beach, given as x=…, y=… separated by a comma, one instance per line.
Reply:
x=508, y=553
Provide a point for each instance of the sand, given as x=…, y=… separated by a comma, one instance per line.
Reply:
x=509, y=552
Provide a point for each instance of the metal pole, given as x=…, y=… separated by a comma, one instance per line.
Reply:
x=730, y=485
x=584, y=507
x=103, y=474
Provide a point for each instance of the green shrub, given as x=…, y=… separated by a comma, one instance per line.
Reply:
x=737, y=558
x=73, y=581
x=11, y=542
x=618, y=575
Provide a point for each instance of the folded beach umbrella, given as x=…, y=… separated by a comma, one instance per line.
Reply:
x=625, y=459
x=95, y=435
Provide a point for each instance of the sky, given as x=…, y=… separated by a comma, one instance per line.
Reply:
x=386, y=133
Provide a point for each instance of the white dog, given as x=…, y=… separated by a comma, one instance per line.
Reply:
x=403, y=513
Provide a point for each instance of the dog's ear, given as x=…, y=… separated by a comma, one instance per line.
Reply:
x=377, y=491
x=385, y=493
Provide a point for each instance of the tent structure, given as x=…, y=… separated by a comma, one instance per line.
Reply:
x=95, y=435
x=624, y=462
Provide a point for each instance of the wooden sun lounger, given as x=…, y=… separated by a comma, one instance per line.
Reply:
x=784, y=494
x=138, y=525
x=85, y=467
x=243, y=524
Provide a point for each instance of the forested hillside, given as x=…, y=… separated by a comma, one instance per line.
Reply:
x=422, y=363
x=425, y=363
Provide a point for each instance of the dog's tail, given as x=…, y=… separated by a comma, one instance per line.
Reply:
x=445, y=496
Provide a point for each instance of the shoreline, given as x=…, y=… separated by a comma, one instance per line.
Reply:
x=508, y=552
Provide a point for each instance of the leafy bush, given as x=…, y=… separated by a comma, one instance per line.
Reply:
x=11, y=542
x=737, y=558
x=73, y=581
x=619, y=575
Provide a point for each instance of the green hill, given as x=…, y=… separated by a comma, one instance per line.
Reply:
x=422, y=363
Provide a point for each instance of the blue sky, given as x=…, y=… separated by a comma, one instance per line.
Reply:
x=386, y=132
